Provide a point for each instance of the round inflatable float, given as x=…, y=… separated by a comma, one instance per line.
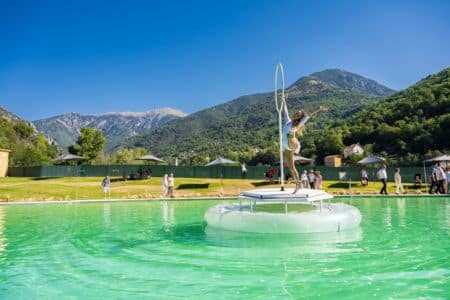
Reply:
x=275, y=211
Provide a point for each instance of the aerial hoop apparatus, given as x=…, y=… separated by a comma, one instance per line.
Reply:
x=279, y=106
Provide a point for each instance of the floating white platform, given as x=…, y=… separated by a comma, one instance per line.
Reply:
x=276, y=195
x=243, y=217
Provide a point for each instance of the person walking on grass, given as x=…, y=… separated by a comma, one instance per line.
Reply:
x=171, y=185
x=440, y=177
x=382, y=175
x=106, y=182
x=304, y=179
x=311, y=178
x=317, y=181
x=243, y=170
x=398, y=182
x=165, y=186
x=447, y=174
x=364, y=177
x=433, y=183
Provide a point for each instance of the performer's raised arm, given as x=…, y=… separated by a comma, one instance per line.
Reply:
x=321, y=108
x=285, y=111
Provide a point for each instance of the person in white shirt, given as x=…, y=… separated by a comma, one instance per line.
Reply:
x=441, y=177
x=398, y=182
x=448, y=180
x=290, y=143
x=171, y=185
x=364, y=177
x=382, y=175
x=304, y=179
x=243, y=170
x=106, y=182
x=165, y=185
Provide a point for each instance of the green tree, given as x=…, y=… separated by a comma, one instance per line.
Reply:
x=139, y=151
x=123, y=156
x=266, y=157
x=89, y=144
x=28, y=156
x=24, y=130
x=127, y=156
x=329, y=143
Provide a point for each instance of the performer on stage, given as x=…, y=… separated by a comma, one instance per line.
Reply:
x=290, y=143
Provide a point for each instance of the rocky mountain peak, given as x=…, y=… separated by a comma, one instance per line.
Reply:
x=116, y=126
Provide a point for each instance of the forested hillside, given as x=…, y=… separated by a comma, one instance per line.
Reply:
x=27, y=147
x=407, y=126
x=237, y=128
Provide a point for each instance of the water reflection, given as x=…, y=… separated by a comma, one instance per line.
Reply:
x=388, y=216
x=322, y=242
x=401, y=211
x=3, y=241
x=447, y=213
x=106, y=213
x=168, y=215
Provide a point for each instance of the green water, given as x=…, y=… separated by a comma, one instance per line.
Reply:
x=162, y=250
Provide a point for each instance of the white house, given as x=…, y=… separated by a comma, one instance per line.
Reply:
x=353, y=149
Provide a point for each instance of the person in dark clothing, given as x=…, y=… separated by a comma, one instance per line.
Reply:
x=382, y=175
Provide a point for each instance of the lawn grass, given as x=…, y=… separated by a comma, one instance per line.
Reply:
x=76, y=188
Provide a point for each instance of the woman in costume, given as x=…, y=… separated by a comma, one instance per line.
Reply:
x=291, y=145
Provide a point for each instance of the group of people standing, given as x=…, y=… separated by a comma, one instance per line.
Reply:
x=311, y=180
x=439, y=180
x=168, y=185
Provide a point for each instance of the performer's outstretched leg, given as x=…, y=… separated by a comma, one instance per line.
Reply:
x=289, y=158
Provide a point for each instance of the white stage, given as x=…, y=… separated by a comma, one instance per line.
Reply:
x=276, y=195
x=245, y=217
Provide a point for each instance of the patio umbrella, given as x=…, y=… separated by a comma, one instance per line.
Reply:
x=371, y=159
x=221, y=161
x=150, y=157
x=68, y=157
x=441, y=158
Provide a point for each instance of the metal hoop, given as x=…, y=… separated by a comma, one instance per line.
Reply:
x=280, y=69
x=279, y=107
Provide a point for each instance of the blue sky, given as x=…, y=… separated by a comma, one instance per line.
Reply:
x=93, y=57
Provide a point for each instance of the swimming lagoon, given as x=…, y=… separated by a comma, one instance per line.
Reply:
x=164, y=250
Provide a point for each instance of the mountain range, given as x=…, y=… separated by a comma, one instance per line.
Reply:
x=127, y=129
x=248, y=122
x=116, y=126
x=404, y=126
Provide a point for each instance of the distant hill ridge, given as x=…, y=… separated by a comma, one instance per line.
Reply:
x=8, y=115
x=409, y=125
x=28, y=148
x=116, y=126
x=350, y=81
